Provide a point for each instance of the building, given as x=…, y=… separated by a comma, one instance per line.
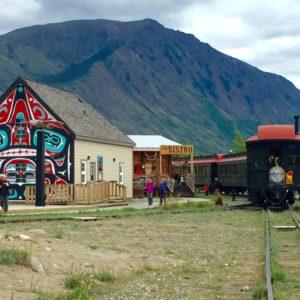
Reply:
x=146, y=154
x=82, y=146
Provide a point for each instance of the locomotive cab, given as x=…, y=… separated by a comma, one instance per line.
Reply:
x=273, y=165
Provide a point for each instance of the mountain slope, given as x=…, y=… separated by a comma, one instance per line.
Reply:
x=147, y=79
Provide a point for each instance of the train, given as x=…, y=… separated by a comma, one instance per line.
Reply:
x=269, y=170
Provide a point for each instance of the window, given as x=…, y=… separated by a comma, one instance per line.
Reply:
x=83, y=171
x=100, y=168
x=92, y=172
x=121, y=172
x=20, y=167
x=21, y=178
x=21, y=133
x=20, y=122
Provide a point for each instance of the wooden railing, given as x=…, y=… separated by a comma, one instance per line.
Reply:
x=79, y=193
x=139, y=181
x=190, y=181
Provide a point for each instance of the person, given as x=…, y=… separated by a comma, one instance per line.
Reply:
x=150, y=190
x=4, y=185
x=206, y=189
x=217, y=191
x=216, y=186
x=163, y=189
x=177, y=178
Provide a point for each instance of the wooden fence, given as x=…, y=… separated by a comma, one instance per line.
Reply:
x=79, y=193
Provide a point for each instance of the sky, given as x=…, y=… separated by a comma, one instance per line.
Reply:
x=263, y=33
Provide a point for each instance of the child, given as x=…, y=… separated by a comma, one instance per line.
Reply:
x=150, y=190
x=163, y=189
x=206, y=188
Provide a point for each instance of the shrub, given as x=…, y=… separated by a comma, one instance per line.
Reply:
x=80, y=283
x=14, y=257
x=105, y=276
x=59, y=233
x=259, y=292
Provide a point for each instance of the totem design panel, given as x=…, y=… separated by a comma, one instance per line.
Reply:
x=18, y=140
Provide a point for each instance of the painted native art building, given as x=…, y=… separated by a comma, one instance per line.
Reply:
x=81, y=145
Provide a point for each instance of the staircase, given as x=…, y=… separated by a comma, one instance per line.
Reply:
x=186, y=192
x=188, y=188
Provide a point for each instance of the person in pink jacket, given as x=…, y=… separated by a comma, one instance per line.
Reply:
x=150, y=190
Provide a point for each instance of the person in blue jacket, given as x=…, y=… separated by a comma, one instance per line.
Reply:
x=163, y=189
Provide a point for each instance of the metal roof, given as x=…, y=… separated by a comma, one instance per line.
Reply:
x=85, y=121
x=151, y=141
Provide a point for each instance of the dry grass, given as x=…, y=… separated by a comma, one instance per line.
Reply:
x=209, y=255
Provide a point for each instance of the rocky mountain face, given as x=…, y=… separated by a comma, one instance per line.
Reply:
x=147, y=79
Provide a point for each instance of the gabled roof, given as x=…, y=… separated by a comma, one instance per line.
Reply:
x=151, y=141
x=85, y=121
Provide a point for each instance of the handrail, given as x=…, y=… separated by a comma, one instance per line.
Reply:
x=140, y=181
x=190, y=181
x=86, y=193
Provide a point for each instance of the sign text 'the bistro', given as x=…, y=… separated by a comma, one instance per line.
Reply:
x=176, y=150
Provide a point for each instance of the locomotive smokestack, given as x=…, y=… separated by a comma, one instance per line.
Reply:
x=296, y=124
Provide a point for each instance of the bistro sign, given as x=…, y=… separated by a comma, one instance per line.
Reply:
x=176, y=150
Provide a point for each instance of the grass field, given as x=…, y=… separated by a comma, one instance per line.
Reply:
x=198, y=253
x=285, y=257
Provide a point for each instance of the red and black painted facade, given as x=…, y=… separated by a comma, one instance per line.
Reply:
x=18, y=139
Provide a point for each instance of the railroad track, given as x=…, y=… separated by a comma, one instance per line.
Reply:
x=268, y=272
x=294, y=219
x=249, y=206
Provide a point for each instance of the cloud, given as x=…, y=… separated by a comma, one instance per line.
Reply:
x=262, y=33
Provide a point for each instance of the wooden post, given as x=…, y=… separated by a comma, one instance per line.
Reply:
x=192, y=163
x=124, y=193
x=89, y=192
x=160, y=164
x=40, y=169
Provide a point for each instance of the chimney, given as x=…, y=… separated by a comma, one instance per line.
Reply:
x=296, y=124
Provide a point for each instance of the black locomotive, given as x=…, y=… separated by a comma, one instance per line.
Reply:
x=273, y=165
x=269, y=170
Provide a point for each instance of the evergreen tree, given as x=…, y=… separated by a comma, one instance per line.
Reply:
x=239, y=143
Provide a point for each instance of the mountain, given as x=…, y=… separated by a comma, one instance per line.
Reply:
x=147, y=79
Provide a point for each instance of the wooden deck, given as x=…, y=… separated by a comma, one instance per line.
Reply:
x=90, y=193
